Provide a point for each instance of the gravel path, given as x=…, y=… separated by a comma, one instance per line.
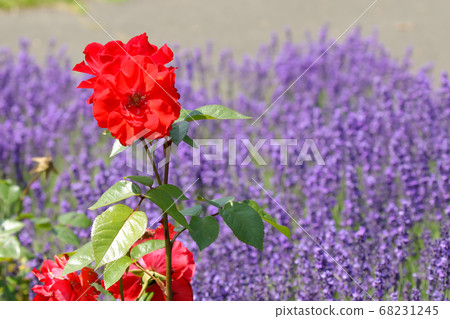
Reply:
x=242, y=25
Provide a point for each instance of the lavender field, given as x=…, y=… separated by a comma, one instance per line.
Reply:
x=371, y=224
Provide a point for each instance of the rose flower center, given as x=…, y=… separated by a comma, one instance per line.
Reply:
x=136, y=100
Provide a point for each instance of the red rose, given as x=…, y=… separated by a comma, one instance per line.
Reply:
x=57, y=287
x=183, y=270
x=132, y=286
x=134, y=92
x=182, y=291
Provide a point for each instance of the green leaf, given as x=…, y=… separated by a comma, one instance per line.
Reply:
x=9, y=193
x=173, y=191
x=68, y=253
x=179, y=131
x=9, y=247
x=146, y=247
x=4, y=189
x=144, y=180
x=245, y=223
x=25, y=216
x=219, y=202
x=83, y=257
x=204, y=230
x=192, y=211
x=66, y=235
x=166, y=203
x=115, y=231
x=10, y=226
x=41, y=222
x=177, y=229
x=99, y=287
x=183, y=114
x=115, y=270
x=214, y=112
x=107, y=133
x=117, y=148
x=269, y=219
x=119, y=191
x=189, y=141
x=75, y=219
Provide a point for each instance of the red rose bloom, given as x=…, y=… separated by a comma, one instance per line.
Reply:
x=183, y=270
x=134, y=92
x=57, y=287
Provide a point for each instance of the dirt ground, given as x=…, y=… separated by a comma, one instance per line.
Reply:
x=241, y=25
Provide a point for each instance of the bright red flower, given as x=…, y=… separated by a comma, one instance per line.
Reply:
x=56, y=287
x=134, y=92
x=182, y=291
x=183, y=270
x=183, y=264
x=132, y=286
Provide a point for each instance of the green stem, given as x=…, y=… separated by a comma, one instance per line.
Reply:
x=149, y=154
x=165, y=219
x=155, y=276
x=122, y=296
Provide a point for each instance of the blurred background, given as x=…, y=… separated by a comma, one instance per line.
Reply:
x=240, y=25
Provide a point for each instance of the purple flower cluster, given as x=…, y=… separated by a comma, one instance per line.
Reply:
x=372, y=223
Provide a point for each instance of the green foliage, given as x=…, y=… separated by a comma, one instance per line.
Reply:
x=219, y=202
x=204, y=230
x=145, y=248
x=119, y=191
x=166, y=203
x=173, y=191
x=144, y=180
x=117, y=148
x=211, y=112
x=115, y=231
x=179, y=131
x=83, y=257
x=267, y=218
x=9, y=248
x=189, y=141
x=42, y=223
x=75, y=219
x=245, y=223
x=66, y=235
x=9, y=227
x=195, y=210
x=114, y=270
x=104, y=292
x=10, y=203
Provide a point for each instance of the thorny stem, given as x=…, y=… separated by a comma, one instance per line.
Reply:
x=167, y=159
x=165, y=219
x=149, y=154
x=140, y=202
